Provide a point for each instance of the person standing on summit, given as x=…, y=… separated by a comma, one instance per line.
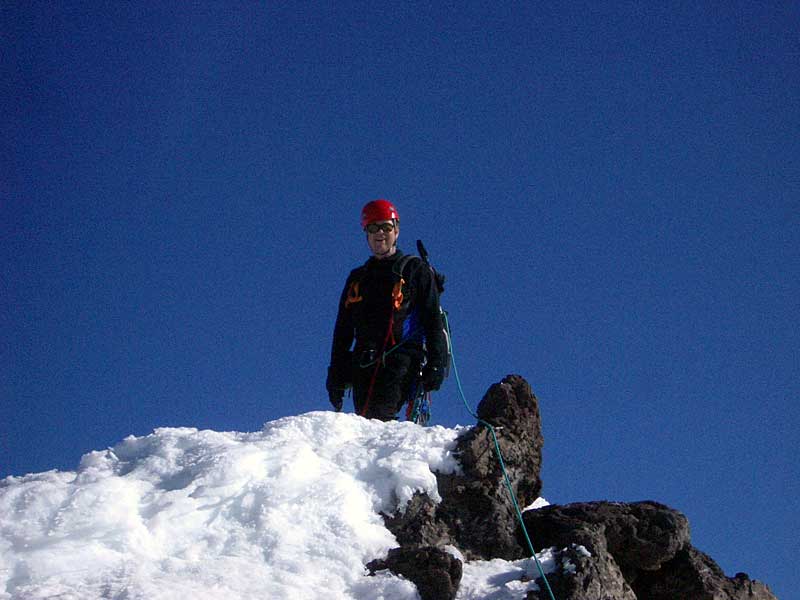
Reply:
x=388, y=324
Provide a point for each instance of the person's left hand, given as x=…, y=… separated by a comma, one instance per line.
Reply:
x=432, y=378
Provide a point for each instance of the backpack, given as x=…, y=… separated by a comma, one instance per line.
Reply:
x=439, y=279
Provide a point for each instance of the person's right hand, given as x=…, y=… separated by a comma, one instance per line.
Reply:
x=337, y=399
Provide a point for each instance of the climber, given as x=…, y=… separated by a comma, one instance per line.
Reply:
x=388, y=324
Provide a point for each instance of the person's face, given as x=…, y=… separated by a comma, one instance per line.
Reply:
x=382, y=238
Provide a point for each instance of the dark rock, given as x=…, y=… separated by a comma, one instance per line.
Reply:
x=641, y=536
x=435, y=572
x=581, y=576
x=646, y=542
x=609, y=550
x=476, y=513
x=694, y=575
x=513, y=410
x=420, y=523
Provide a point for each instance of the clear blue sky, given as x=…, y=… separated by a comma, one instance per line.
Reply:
x=613, y=193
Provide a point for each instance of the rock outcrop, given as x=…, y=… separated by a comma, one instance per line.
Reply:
x=606, y=550
x=477, y=514
x=641, y=536
x=692, y=574
x=436, y=573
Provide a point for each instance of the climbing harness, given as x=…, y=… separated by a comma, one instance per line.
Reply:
x=419, y=403
x=506, y=478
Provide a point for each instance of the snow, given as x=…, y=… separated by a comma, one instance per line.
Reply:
x=292, y=511
x=538, y=503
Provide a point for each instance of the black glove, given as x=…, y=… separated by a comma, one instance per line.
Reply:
x=336, y=396
x=432, y=378
x=335, y=389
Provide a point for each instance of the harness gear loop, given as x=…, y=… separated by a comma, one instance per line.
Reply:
x=418, y=409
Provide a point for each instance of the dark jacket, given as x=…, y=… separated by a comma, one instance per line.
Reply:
x=367, y=304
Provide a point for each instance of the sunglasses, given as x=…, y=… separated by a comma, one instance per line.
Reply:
x=376, y=227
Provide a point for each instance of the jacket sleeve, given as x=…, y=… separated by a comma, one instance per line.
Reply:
x=340, y=368
x=431, y=317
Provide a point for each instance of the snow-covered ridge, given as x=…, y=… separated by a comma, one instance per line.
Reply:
x=292, y=511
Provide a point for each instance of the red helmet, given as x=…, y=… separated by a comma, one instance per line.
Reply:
x=378, y=210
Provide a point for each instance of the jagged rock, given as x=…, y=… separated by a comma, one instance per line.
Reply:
x=583, y=576
x=646, y=542
x=436, y=573
x=476, y=513
x=421, y=523
x=513, y=410
x=641, y=536
x=693, y=575
x=610, y=550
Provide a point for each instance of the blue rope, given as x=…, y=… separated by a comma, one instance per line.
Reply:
x=506, y=478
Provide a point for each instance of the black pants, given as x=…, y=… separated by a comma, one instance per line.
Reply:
x=393, y=381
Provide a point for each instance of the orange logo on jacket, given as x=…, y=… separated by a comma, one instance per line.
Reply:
x=353, y=294
x=397, y=294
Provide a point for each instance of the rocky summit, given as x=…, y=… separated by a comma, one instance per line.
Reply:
x=606, y=550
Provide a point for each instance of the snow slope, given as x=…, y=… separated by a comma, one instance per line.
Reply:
x=291, y=511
